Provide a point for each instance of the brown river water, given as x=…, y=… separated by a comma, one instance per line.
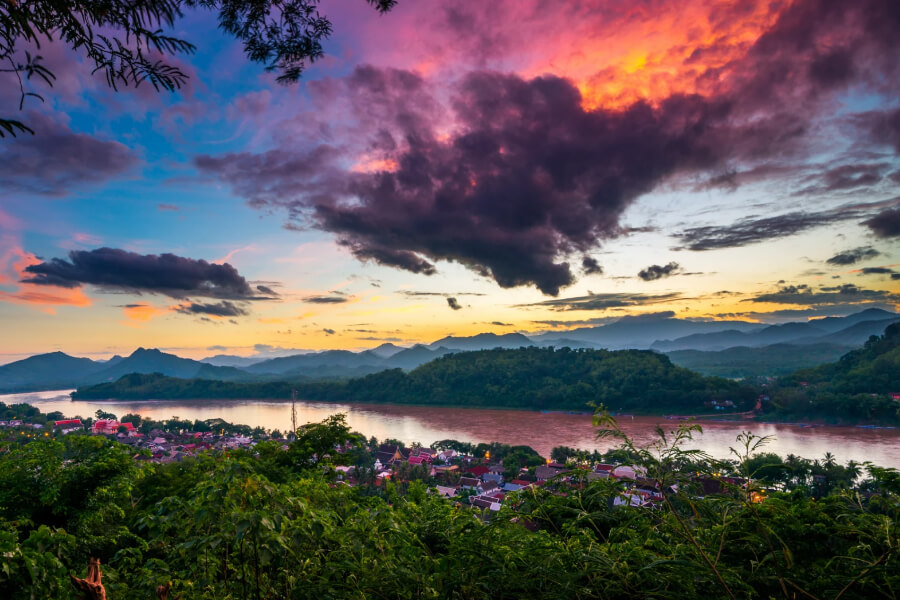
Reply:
x=541, y=431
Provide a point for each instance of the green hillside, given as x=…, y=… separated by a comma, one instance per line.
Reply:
x=532, y=378
x=857, y=387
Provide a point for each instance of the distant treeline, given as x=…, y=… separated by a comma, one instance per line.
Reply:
x=856, y=388
x=532, y=378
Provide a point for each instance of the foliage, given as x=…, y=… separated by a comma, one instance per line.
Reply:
x=272, y=523
x=856, y=388
x=533, y=378
x=127, y=42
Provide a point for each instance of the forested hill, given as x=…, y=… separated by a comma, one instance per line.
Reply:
x=857, y=388
x=533, y=378
x=872, y=369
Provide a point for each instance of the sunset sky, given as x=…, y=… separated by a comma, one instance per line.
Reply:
x=456, y=168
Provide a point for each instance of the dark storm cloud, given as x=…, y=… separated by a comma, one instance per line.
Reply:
x=453, y=303
x=842, y=294
x=851, y=257
x=56, y=161
x=603, y=301
x=417, y=294
x=333, y=298
x=118, y=270
x=885, y=224
x=846, y=177
x=217, y=309
x=654, y=272
x=590, y=266
x=497, y=198
x=752, y=230
x=530, y=178
x=876, y=271
x=264, y=289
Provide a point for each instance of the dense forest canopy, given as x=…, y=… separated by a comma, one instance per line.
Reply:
x=532, y=378
x=274, y=522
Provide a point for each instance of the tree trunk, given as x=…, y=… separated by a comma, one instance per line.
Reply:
x=91, y=587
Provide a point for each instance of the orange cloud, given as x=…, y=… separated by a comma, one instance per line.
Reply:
x=15, y=260
x=652, y=53
x=375, y=165
x=141, y=313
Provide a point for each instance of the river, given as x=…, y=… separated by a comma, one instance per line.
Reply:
x=541, y=431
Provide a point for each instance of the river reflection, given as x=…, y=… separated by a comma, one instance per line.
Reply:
x=539, y=430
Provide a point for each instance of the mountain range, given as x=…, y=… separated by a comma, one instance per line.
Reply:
x=730, y=348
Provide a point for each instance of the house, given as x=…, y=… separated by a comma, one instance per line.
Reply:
x=489, y=486
x=388, y=454
x=605, y=468
x=446, y=456
x=511, y=487
x=418, y=460
x=446, y=492
x=497, y=469
x=895, y=396
x=478, y=470
x=492, y=477
x=109, y=426
x=545, y=472
x=69, y=425
x=469, y=482
x=485, y=503
x=626, y=472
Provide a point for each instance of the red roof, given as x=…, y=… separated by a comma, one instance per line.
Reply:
x=478, y=471
x=521, y=482
x=68, y=422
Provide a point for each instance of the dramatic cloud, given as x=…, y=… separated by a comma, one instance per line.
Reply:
x=218, y=309
x=603, y=301
x=122, y=271
x=590, y=266
x=513, y=175
x=885, y=224
x=415, y=294
x=333, y=298
x=329, y=331
x=654, y=272
x=825, y=295
x=875, y=271
x=753, y=230
x=56, y=161
x=501, y=324
x=453, y=303
x=851, y=257
x=264, y=289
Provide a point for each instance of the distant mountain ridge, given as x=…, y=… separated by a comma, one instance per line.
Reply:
x=815, y=340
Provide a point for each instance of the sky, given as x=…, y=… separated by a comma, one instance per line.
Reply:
x=456, y=168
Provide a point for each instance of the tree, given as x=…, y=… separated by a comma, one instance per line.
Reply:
x=127, y=41
x=102, y=414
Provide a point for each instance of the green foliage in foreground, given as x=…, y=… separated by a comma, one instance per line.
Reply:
x=274, y=525
x=533, y=378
